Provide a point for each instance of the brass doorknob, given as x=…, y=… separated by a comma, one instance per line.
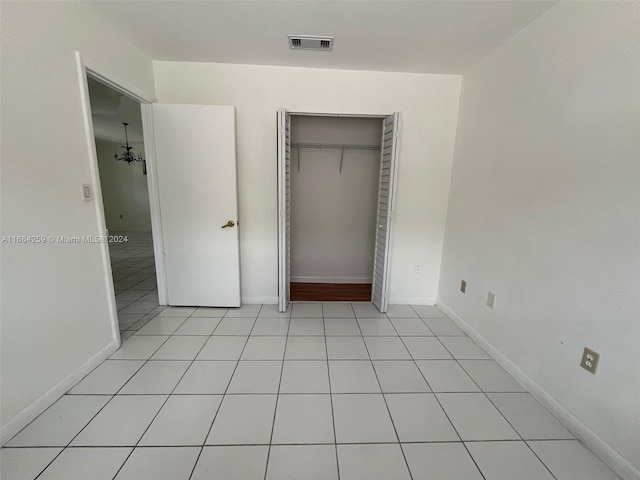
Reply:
x=230, y=223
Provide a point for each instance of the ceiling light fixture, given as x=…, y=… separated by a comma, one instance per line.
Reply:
x=128, y=154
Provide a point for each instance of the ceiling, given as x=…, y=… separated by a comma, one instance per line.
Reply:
x=396, y=36
x=109, y=109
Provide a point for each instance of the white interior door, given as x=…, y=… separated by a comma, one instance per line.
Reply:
x=284, y=208
x=390, y=138
x=195, y=165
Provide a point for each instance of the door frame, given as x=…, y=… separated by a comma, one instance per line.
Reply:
x=86, y=68
x=281, y=240
x=154, y=202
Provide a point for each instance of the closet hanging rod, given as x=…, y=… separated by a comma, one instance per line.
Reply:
x=335, y=146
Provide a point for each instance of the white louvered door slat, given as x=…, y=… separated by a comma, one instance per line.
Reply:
x=384, y=219
x=284, y=208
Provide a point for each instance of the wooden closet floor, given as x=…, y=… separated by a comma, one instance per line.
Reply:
x=330, y=292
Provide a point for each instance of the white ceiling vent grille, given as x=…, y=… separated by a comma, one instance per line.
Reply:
x=310, y=42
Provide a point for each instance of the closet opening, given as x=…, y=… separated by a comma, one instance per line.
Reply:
x=336, y=176
x=334, y=192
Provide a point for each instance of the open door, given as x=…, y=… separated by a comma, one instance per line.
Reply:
x=195, y=169
x=284, y=208
x=386, y=190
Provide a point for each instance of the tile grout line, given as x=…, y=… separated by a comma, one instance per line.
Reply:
x=519, y=435
x=385, y=399
x=145, y=319
x=225, y=394
x=144, y=293
x=96, y=414
x=148, y=261
x=192, y=445
x=494, y=406
x=204, y=442
x=333, y=417
x=166, y=399
x=195, y=445
x=439, y=403
x=275, y=410
x=499, y=411
x=406, y=392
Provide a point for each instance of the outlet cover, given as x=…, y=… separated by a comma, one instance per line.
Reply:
x=589, y=360
x=491, y=300
x=463, y=286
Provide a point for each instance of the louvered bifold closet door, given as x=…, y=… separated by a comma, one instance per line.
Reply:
x=390, y=137
x=284, y=208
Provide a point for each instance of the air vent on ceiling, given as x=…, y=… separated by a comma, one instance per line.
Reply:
x=310, y=42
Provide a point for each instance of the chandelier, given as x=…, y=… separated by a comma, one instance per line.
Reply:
x=128, y=154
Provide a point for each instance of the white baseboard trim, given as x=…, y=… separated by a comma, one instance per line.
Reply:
x=412, y=301
x=27, y=415
x=608, y=455
x=259, y=300
x=332, y=279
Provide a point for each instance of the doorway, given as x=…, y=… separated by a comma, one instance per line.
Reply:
x=202, y=138
x=336, y=178
x=124, y=189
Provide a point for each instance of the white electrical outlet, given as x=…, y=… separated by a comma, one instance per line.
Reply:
x=417, y=268
x=491, y=300
x=589, y=360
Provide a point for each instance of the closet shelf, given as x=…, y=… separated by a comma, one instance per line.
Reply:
x=335, y=146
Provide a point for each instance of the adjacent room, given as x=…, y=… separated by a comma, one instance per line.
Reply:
x=320, y=240
x=122, y=170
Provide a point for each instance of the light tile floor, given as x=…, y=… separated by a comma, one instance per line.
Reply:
x=323, y=391
x=134, y=280
x=251, y=393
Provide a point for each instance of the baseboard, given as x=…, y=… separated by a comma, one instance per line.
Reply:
x=259, y=300
x=392, y=300
x=608, y=455
x=27, y=415
x=412, y=301
x=331, y=279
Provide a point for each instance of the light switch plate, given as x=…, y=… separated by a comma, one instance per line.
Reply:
x=87, y=192
x=491, y=300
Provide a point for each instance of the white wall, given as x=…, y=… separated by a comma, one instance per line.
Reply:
x=124, y=190
x=333, y=214
x=429, y=105
x=55, y=316
x=545, y=212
